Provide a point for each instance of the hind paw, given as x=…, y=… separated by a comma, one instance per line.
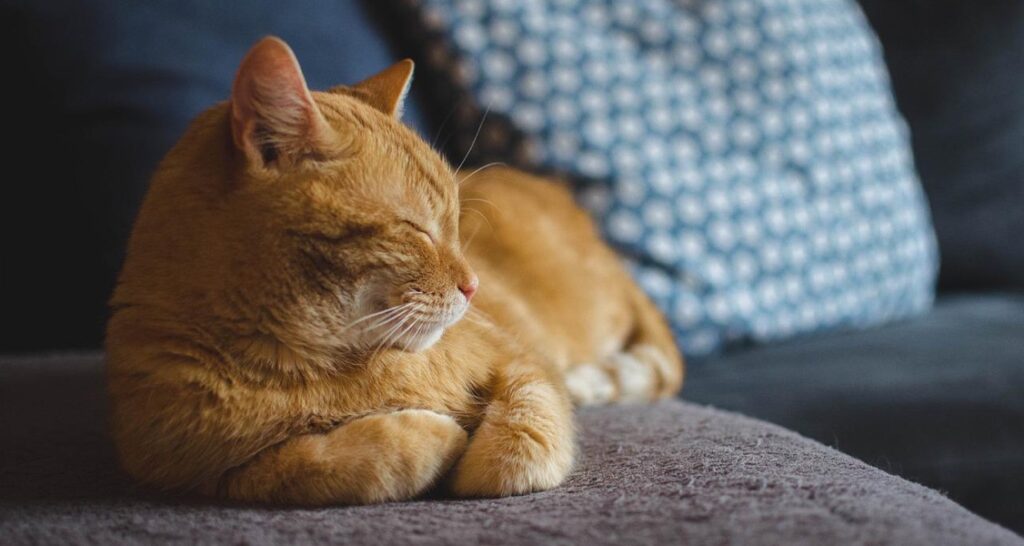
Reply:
x=638, y=375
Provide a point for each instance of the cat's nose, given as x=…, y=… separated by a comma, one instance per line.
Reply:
x=469, y=286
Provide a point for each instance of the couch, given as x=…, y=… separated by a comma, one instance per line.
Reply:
x=669, y=473
x=105, y=88
x=938, y=399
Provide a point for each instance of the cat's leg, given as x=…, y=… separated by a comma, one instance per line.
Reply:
x=377, y=458
x=648, y=367
x=526, y=440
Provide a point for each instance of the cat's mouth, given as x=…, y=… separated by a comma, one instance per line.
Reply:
x=431, y=325
x=423, y=321
x=422, y=334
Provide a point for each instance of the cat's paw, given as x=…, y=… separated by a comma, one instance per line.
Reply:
x=512, y=458
x=668, y=370
x=413, y=449
x=442, y=431
x=589, y=384
x=375, y=458
x=641, y=374
x=636, y=374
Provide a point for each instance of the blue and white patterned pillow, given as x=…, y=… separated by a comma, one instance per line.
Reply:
x=744, y=155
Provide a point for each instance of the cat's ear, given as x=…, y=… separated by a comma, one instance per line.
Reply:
x=274, y=119
x=387, y=89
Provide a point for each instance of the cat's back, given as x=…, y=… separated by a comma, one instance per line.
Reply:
x=544, y=271
x=520, y=213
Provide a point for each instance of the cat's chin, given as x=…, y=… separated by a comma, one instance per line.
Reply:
x=421, y=342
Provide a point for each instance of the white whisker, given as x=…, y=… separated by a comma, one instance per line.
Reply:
x=473, y=142
x=385, y=312
x=477, y=320
x=405, y=316
x=419, y=330
x=433, y=143
x=475, y=311
x=387, y=338
x=482, y=215
x=407, y=308
x=478, y=200
x=466, y=243
x=415, y=321
x=492, y=164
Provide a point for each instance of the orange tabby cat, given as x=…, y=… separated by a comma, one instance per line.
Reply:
x=291, y=321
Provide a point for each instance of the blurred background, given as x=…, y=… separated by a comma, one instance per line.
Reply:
x=922, y=377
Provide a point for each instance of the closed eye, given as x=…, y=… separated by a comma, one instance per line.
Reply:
x=421, y=230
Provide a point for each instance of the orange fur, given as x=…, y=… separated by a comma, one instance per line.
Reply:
x=252, y=353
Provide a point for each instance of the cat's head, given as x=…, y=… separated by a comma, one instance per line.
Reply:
x=344, y=223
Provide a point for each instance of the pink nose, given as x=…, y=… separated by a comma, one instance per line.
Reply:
x=469, y=287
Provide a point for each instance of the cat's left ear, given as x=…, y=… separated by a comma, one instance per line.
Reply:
x=274, y=119
x=387, y=89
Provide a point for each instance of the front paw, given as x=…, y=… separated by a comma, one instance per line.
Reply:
x=397, y=455
x=513, y=457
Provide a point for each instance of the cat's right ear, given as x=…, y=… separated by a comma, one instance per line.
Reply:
x=274, y=119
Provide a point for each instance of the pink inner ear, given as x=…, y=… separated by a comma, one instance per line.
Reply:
x=272, y=111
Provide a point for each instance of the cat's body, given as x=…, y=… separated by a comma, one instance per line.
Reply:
x=287, y=323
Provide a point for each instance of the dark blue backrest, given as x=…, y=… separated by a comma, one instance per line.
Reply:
x=96, y=92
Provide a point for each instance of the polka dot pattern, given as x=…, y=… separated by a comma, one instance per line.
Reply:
x=745, y=156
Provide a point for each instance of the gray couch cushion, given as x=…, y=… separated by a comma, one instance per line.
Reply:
x=670, y=473
x=939, y=399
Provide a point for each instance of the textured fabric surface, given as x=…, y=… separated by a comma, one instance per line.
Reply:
x=746, y=155
x=104, y=89
x=958, y=74
x=939, y=399
x=665, y=474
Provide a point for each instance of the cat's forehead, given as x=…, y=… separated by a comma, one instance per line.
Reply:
x=400, y=188
x=390, y=166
